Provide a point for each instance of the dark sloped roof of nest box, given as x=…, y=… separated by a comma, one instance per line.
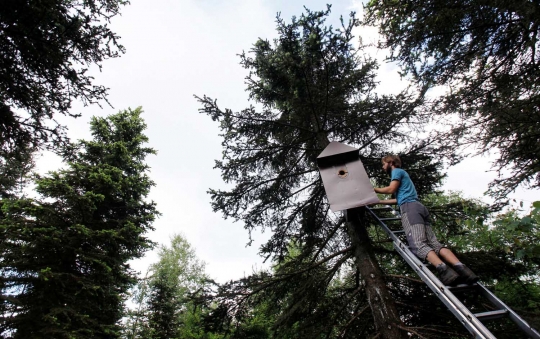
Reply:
x=336, y=153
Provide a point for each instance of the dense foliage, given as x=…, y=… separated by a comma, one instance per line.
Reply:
x=64, y=255
x=46, y=50
x=310, y=86
x=489, y=243
x=15, y=167
x=486, y=53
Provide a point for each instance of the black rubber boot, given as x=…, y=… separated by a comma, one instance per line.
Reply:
x=447, y=275
x=466, y=274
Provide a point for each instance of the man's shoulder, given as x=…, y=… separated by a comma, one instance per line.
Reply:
x=399, y=171
x=397, y=174
x=400, y=175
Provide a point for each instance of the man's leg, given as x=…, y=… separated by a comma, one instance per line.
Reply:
x=449, y=257
x=419, y=245
x=433, y=258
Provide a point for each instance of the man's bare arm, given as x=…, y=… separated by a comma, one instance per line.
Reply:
x=388, y=202
x=391, y=189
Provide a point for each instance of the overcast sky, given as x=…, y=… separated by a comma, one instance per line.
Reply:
x=178, y=48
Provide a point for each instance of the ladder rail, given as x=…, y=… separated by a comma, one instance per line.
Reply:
x=473, y=325
x=520, y=322
x=454, y=305
x=467, y=318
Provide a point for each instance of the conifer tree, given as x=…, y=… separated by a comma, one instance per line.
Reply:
x=65, y=253
x=486, y=54
x=46, y=49
x=311, y=86
x=164, y=307
x=16, y=163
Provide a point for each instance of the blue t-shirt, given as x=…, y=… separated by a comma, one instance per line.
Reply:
x=406, y=191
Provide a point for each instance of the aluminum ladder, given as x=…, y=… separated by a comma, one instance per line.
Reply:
x=472, y=321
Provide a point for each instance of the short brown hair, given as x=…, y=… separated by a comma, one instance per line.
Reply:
x=394, y=159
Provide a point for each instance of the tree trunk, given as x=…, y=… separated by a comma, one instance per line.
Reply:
x=382, y=305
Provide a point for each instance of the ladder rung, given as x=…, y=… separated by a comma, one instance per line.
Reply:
x=491, y=314
x=389, y=219
x=381, y=208
x=462, y=287
x=398, y=232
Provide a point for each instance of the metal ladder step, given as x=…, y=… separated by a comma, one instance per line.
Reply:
x=491, y=315
x=382, y=208
x=462, y=287
x=390, y=219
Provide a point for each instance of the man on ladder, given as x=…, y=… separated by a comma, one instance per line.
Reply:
x=415, y=220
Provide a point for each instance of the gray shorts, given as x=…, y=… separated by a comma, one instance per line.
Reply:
x=420, y=236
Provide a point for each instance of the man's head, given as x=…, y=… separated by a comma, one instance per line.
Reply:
x=390, y=161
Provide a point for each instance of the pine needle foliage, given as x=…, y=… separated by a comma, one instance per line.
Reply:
x=65, y=253
x=46, y=50
x=486, y=52
x=309, y=86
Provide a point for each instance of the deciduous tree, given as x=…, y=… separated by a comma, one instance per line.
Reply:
x=164, y=298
